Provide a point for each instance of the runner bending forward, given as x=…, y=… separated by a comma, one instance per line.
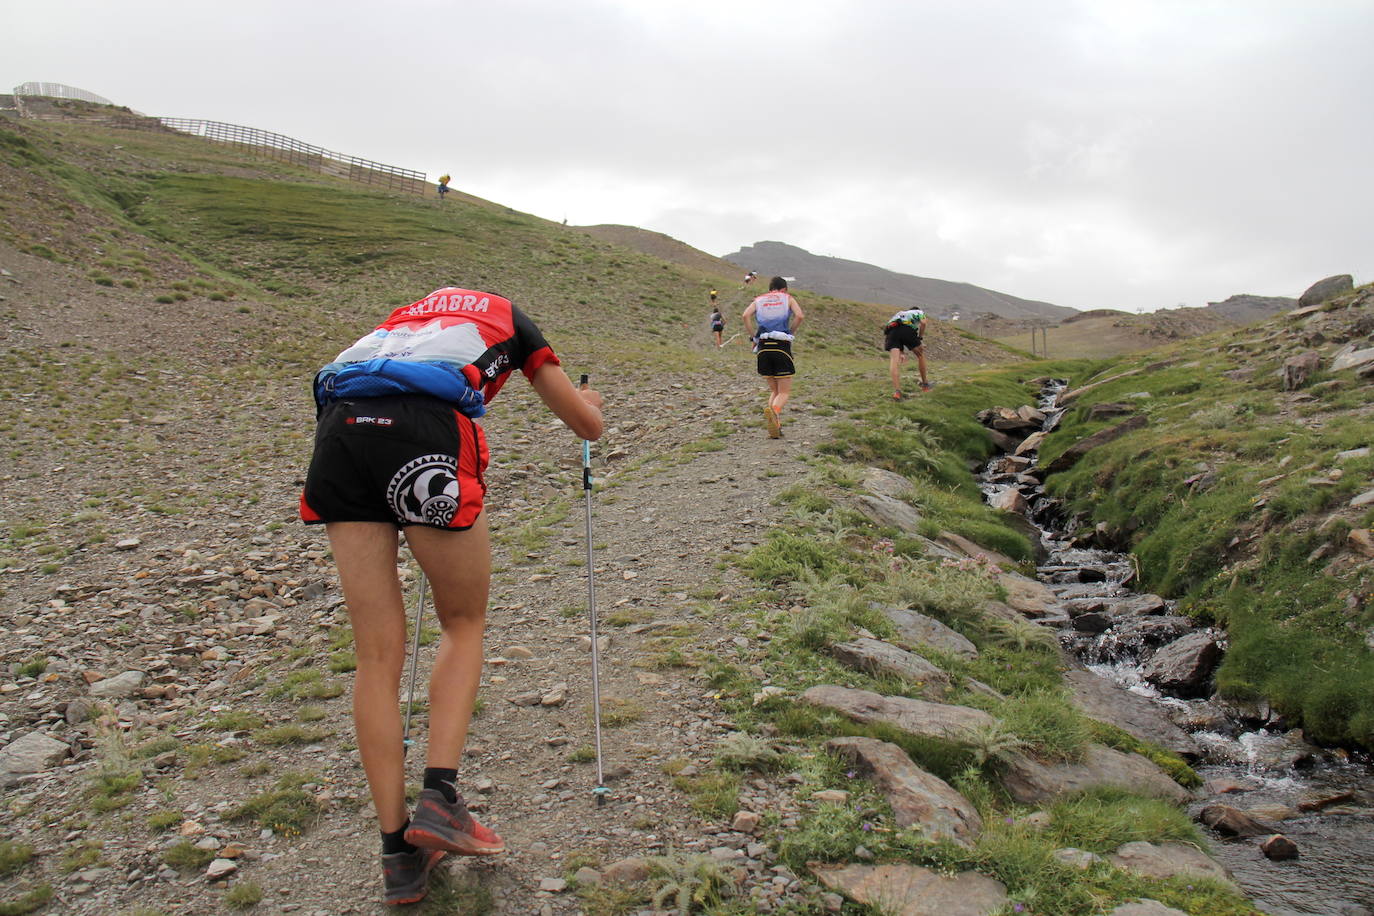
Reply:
x=777, y=316
x=398, y=447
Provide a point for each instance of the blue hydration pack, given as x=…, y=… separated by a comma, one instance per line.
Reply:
x=378, y=377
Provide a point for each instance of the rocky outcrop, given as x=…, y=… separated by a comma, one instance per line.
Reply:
x=916, y=717
x=919, y=630
x=1329, y=288
x=909, y=890
x=1184, y=667
x=1169, y=860
x=1298, y=369
x=1101, y=699
x=918, y=798
x=32, y=753
x=878, y=657
x=890, y=513
x=1030, y=782
x=1070, y=456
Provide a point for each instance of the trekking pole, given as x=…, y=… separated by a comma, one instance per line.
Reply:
x=601, y=789
x=414, y=658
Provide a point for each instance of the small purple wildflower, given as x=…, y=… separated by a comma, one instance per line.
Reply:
x=1020, y=908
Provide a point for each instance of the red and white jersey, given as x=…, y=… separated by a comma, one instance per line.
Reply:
x=482, y=334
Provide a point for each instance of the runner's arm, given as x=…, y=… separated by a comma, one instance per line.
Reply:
x=797, y=310
x=748, y=318
x=580, y=409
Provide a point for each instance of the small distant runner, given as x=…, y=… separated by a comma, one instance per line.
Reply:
x=398, y=449
x=749, y=277
x=903, y=332
x=777, y=315
x=713, y=296
x=717, y=326
x=443, y=185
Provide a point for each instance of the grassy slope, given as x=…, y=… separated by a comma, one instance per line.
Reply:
x=1234, y=502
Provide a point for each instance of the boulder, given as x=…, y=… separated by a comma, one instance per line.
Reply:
x=1108, y=410
x=1010, y=500
x=920, y=630
x=1298, y=369
x=1080, y=859
x=32, y=753
x=1028, y=596
x=1358, y=360
x=891, y=513
x=1002, y=441
x=882, y=482
x=910, y=890
x=917, y=717
x=1168, y=860
x=1230, y=821
x=1141, y=605
x=1278, y=848
x=918, y=798
x=1184, y=666
x=1329, y=288
x=1030, y=782
x=1361, y=540
x=1101, y=699
x=1145, y=907
x=963, y=546
x=121, y=685
x=1030, y=444
x=878, y=657
x=1070, y=456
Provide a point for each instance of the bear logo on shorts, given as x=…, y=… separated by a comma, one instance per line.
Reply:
x=425, y=491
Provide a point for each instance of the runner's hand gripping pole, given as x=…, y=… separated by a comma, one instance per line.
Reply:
x=601, y=789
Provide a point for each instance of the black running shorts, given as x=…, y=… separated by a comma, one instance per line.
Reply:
x=901, y=337
x=775, y=358
x=404, y=460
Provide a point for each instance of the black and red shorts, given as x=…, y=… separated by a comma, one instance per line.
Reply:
x=902, y=337
x=405, y=460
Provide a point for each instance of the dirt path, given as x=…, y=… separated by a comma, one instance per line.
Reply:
x=232, y=608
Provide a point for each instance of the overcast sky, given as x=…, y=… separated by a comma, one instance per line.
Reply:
x=1115, y=154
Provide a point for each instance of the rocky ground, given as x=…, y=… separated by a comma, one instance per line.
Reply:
x=184, y=661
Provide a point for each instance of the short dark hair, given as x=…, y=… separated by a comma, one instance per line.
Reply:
x=777, y=283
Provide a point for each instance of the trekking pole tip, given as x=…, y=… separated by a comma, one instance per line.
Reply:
x=601, y=792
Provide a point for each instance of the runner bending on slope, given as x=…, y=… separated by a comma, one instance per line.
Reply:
x=904, y=331
x=774, y=312
x=398, y=447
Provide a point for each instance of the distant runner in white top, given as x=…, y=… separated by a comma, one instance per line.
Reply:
x=904, y=331
x=777, y=315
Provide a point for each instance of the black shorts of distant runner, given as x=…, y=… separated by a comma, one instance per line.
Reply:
x=902, y=337
x=775, y=358
x=404, y=460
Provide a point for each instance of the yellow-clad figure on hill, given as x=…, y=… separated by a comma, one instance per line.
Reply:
x=444, y=179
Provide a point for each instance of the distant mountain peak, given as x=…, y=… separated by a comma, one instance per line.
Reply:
x=845, y=279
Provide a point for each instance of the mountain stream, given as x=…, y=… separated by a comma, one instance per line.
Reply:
x=1248, y=756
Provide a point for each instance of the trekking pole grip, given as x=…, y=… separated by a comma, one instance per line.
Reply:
x=586, y=450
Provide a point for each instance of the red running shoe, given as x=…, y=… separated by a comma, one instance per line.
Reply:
x=441, y=824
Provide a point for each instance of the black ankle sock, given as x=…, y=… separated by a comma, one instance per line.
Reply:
x=445, y=781
x=396, y=841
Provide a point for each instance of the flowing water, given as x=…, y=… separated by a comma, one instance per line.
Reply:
x=1321, y=799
